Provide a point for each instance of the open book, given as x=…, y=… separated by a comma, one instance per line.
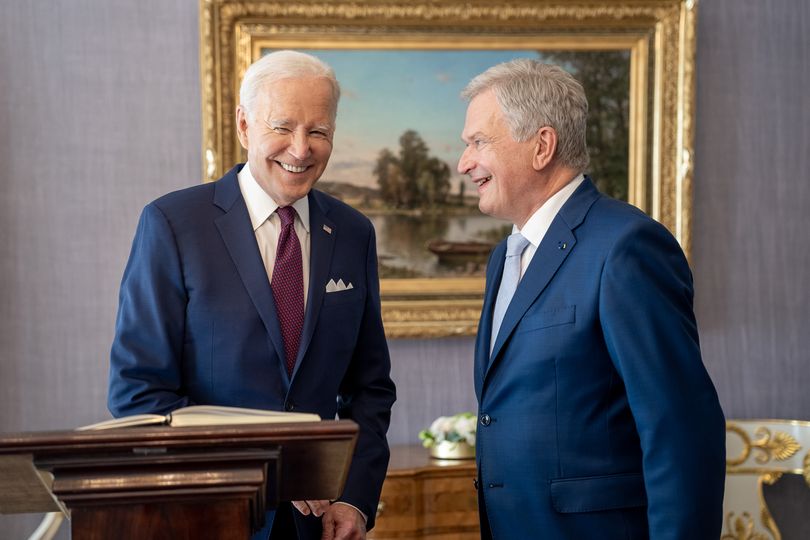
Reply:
x=205, y=415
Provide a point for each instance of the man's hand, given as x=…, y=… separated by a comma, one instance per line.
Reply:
x=316, y=508
x=343, y=522
x=340, y=521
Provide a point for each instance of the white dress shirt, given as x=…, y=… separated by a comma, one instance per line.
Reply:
x=267, y=223
x=537, y=226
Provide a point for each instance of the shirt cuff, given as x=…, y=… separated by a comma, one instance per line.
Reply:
x=365, y=517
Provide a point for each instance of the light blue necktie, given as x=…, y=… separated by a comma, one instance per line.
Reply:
x=515, y=245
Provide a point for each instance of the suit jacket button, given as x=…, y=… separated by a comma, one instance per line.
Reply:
x=485, y=420
x=289, y=406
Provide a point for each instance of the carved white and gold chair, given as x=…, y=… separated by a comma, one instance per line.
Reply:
x=758, y=454
x=48, y=527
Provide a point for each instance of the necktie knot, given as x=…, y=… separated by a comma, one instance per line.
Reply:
x=515, y=244
x=287, y=215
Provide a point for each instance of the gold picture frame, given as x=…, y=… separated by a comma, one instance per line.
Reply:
x=658, y=34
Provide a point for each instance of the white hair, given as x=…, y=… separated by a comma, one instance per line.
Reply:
x=533, y=95
x=280, y=65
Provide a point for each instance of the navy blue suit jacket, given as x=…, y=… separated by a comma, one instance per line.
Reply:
x=599, y=419
x=197, y=323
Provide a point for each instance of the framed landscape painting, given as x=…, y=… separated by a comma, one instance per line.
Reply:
x=402, y=65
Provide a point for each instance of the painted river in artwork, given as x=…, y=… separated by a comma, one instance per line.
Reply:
x=403, y=240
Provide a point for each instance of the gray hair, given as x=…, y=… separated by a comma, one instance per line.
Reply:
x=280, y=65
x=533, y=95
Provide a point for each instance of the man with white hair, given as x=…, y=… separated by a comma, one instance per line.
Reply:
x=597, y=418
x=258, y=291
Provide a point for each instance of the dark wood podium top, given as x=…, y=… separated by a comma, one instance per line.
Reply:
x=309, y=460
x=50, y=442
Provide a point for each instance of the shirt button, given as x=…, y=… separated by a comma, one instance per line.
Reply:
x=485, y=420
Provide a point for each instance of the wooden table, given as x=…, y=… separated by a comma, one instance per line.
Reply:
x=427, y=498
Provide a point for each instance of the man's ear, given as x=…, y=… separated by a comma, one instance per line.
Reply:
x=241, y=126
x=545, y=147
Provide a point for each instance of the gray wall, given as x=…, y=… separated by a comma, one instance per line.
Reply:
x=100, y=113
x=752, y=224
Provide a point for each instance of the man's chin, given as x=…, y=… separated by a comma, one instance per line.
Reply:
x=298, y=192
x=485, y=208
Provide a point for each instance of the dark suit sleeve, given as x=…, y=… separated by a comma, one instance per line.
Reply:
x=650, y=331
x=366, y=396
x=145, y=358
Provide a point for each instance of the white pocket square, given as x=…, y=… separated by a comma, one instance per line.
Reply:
x=339, y=286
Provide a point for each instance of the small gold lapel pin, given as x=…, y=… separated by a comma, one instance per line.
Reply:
x=328, y=229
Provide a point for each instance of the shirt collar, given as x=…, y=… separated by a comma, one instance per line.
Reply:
x=260, y=205
x=536, y=227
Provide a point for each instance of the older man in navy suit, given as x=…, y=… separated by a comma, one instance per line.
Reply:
x=597, y=417
x=258, y=291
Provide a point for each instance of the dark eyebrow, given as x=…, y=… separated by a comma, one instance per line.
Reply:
x=474, y=136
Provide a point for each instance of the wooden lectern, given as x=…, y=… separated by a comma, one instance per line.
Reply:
x=171, y=482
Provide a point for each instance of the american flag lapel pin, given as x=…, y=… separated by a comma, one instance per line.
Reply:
x=328, y=229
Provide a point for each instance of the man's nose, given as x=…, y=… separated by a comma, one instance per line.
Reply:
x=464, y=162
x=299, y=146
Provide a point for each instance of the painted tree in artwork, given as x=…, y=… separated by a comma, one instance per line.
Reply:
x=387, y=172
x=413, y=157
x=412, y=178
x=605, y=75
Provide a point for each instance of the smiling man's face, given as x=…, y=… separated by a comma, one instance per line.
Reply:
x=500, y=167
x=288, y=136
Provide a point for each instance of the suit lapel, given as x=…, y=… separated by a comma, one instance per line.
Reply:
x=482, y=343
x=558, y=242
x=237, y=233
x=547, y=259
x=322, y=245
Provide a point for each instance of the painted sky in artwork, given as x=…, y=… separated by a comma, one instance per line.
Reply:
x=385, y=93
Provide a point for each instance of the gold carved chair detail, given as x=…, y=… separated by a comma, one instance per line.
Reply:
x=759, y=453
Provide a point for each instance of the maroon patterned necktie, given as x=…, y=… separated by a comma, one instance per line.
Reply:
x=288, y=286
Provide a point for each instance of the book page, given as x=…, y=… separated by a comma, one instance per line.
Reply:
x=212, y=415
x=128, y=421
x=205, y=415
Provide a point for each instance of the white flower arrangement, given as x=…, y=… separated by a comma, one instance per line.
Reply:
x=459, y=428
